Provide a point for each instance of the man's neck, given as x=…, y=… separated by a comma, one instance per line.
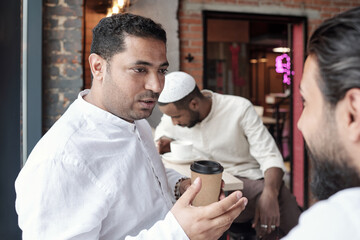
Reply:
x=205, y=106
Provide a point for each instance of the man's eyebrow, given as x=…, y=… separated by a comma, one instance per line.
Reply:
x=140, y=62
x=165, y=64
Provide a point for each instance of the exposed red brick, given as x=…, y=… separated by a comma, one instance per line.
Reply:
x=270, y=4
x=191, y=21
x=184, y=27
x=192, y=50
x=196, y=43
x=322, y=2
x=294, y=5
x=344, y=4
x=196, y=28
x=193, y=64
x=191, y=35
x=185, y=43
x=248, y=2
x=226, y=1
x=325, y=15
x=331, y=9
x=314, y=7
x=62, y=57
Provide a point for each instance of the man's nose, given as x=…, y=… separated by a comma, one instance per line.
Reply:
x=174, y=121
x=155, y=83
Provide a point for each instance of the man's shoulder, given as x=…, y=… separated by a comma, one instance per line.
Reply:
x=230, y=105
x=342, y=203
x=231, y=99
x=71, y=134
x=315, y=222
x=346, y=197
x=59, y=134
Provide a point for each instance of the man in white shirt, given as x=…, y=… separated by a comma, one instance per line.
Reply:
x=227, y=129
x=330, y=124
x=96, y=173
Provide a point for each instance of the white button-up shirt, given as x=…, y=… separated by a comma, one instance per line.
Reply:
x=96, y=176
x=232, y=134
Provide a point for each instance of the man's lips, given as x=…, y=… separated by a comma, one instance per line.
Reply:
x=148, y=103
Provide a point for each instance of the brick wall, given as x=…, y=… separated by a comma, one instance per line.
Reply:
x=191, y=25
x=62, y=57
x=91, y=18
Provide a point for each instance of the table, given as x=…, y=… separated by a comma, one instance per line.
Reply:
x=268, y=120
x=231, y=183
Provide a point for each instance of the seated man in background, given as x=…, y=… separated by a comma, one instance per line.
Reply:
x=227, y=129
x=330, y=124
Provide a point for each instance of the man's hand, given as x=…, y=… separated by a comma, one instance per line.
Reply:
x=163, y=144
x=267, y=213
x=207, y=222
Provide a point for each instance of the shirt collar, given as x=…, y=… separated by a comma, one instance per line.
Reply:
x=98, y=114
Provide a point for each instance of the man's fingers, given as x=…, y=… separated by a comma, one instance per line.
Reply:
x=277, y=223
x=256, y=218
x=191, y=192
x=227, y=218
x=233, y=200
x=187, y=184
x=160, y=146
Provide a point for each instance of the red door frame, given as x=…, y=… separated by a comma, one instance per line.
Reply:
x=298, y=168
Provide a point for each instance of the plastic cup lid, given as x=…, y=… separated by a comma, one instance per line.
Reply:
x=206, y=167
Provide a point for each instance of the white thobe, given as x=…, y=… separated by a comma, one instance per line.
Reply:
x=96, y=176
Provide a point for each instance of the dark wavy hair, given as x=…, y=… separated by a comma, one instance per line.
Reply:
x=109, y=34
x=336, y=46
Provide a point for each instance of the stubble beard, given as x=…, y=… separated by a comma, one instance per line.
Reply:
x=194, y=118
x=332, y=170
x=144, y=112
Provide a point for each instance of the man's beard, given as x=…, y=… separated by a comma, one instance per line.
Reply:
x=194, y=118
x=331, y=171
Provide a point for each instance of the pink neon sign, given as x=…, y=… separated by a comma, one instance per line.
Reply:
x=283, y=65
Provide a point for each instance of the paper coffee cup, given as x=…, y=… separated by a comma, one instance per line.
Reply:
x=210, y=173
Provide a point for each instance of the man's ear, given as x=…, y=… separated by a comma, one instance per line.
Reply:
x=352, y=103
x=194, y=104
x=97, y=66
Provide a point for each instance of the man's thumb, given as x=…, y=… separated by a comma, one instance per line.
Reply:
x=189, y=195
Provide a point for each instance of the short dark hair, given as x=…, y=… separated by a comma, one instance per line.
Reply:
x=184, y=102
x=109, y=34
x=336, y=47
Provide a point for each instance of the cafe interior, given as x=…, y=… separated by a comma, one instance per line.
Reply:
x=253, y=48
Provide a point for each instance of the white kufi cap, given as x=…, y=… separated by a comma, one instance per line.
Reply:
x=177, y=86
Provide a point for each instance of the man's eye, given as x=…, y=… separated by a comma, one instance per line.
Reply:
x=139, y=70
x=163, y=71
